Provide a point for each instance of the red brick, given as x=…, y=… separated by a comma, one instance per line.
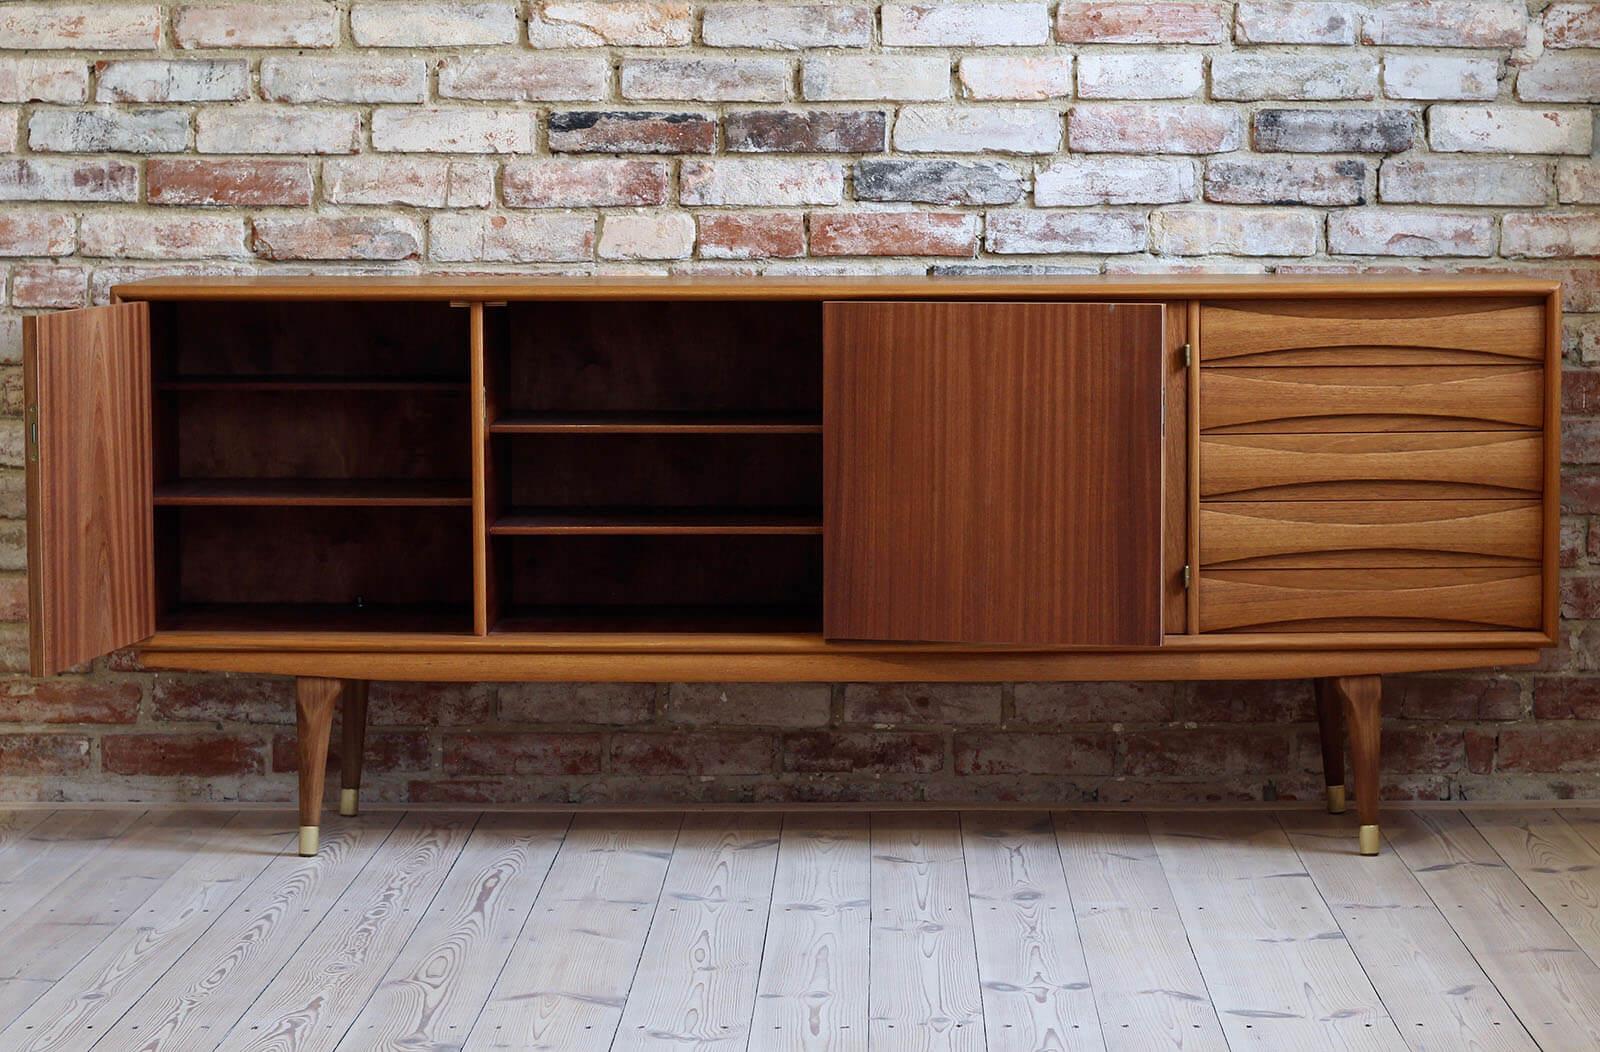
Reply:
x=428, y=704
x=1572, y=25
x=1140, y=23
x=13, y=587
x=806, y=131
x=936, y=703
x=1422, y=749
x=336, y=237
x=893, y=234
x=1453, y=698
x=703, y=752
x=386, y=752
x=757, y=235
x=591, y=131
x=1566, y=699
x=1580, y=597
x=584, y=183
x=1065, y=703
x=23, y=755
x=1010, y=752
x=1555, y=750
x=1236, y=752
x=219, y=699
x=69, y=701
x=1249, y=701
x=768, y=704
x=522, y=753
x=1480, y=748
x=605, y=703
x=36, y=233
x=44, y=285
x=170, y=181
x=845, y=752
x=182, y=754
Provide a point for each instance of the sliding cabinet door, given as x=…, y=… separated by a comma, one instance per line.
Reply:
x=91, y=581
x=993, y=472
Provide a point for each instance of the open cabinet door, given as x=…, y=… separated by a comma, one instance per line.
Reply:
x=993, y=472
x=91, y=581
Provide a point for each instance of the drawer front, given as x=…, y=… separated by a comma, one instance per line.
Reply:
x=1416, y=533
x=1371, y=398
x=1470, y=464
x=1417, y=599
x=1369, y=331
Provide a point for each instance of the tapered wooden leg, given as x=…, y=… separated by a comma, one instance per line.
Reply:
x=314, y=702
x=1330, y=715
x=355, y=740
x=1362, y=697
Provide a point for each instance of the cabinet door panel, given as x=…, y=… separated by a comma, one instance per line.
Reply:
x=993, y=472
x=1398, y=533
x=1372, y=331
x=1371, y=398
x=1371, y=599
x=1371, y=467
x=91, y=584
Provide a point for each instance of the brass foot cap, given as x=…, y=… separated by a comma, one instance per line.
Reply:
x=308, y=841
x=349, y=802
x=1369, y=840
x=1336, y=799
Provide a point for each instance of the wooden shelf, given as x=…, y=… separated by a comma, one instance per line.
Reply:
x=657, y=424
x=318, y=617
x=670, y=619
x=311, y=384
x=525, y=522
x=397, y=493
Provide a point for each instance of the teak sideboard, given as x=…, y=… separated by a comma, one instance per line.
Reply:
x=928, y=479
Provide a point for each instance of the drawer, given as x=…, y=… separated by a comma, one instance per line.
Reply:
x=1421, y=599
x=1367, y=331
x=1401, y=533
x=1405, y=465
x=1371, y=398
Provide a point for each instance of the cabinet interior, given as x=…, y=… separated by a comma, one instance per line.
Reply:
x=650, y=466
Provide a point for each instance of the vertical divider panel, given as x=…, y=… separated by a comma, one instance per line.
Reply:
x=484, y=492
x=1195, y=336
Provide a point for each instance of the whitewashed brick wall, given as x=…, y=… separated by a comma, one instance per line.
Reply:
x=672, y=136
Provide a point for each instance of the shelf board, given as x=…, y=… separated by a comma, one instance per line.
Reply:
x=665, y=619
x=310, y=384
x=317, y=617
x=370, y=493
x=657, y=424
x=527, y=522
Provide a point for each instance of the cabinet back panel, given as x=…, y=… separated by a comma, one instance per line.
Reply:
x=318, y=555
x=683, y=357
x=684, y=571
x=665, y=471
x=311, y=434
x=410, y=340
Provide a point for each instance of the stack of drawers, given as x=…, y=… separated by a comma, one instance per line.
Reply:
x=1371, y=464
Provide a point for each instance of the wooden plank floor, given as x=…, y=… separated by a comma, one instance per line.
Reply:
x=815, y=931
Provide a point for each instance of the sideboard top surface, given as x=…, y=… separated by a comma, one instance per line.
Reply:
x=1164, y=286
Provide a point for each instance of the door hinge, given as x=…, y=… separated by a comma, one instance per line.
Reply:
x=1188, y=355
x=1187, y=576
x=33, y=433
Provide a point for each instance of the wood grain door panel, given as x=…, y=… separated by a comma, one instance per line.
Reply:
x=993, y=472
x=1406, y=533
x=1372, y=398
x=1370, y=599
x=1371, y=466
x=1372, y=331
x=91, y=580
